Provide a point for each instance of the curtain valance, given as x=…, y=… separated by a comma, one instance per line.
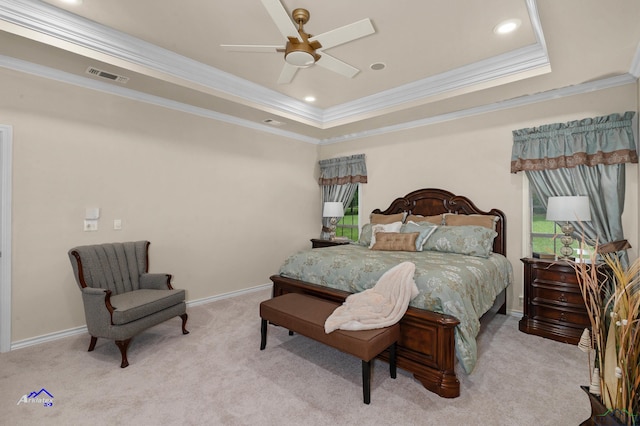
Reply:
x=601, y=140
x=342, y=170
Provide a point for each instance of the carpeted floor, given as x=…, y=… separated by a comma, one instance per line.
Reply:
x=218, y=376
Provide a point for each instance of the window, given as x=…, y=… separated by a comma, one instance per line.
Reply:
x=348, y=225
x=545, y=234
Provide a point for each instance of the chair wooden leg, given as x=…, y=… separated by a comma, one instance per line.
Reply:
x=123, y=345
x=184, y=323
x=92, y=345
x=366, y=381
x=263, y=334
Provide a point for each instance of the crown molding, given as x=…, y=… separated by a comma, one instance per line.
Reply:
x=88, y=83
x=40, y=20
x=531, y=60
x=527, y=61
x=69, y=31
x=61, y=25
x=578, y=89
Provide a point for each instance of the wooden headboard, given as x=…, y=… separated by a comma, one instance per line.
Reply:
x=431, y=201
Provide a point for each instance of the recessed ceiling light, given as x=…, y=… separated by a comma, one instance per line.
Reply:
x=310, y=98
x=272, y=122
x=377, y=66
x=508, y=26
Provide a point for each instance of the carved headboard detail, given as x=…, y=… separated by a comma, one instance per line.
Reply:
x=432, y=201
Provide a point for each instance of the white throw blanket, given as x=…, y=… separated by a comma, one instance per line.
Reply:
x=380, y=306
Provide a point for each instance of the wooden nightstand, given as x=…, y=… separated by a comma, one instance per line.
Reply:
x=317, y=243
x=553, y=304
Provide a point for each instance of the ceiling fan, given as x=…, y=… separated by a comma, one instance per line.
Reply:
x=303, y=50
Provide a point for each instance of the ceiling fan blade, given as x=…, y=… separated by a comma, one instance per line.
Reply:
x=251, y=48
x=281, y=18
x=287, y=74
x=336, y=65
x=344, y=34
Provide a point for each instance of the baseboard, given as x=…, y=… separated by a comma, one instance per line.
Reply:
x=48, y=337
x=83, y=329
x=229, y=295
x=515, y=314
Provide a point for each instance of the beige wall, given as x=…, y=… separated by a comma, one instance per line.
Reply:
x=214, y=199
x=471, y=157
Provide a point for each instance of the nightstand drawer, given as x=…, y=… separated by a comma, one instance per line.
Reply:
x=542, y=294
x=558, y=275
x=563, y=316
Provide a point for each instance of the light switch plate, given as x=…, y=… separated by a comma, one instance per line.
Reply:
x=90, y=225
x=92, y=213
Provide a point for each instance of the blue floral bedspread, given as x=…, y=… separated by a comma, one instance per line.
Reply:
x=454, y=284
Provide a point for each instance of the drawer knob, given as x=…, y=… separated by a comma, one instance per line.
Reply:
x=562, y=298
x=562, y=317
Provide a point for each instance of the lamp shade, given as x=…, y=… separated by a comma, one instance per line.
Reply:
x=333, y=209
x=561, y=209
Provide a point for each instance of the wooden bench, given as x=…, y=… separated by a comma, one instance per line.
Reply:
x=306, y=315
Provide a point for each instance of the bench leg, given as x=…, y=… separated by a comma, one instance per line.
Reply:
x=392, y=360
x=366, y=381
x=263, y=334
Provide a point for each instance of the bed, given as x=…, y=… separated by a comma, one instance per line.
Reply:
x=440, y=325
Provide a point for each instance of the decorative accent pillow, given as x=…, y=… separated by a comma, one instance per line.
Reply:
x=437, y=219
x=470, y=240
x=365, y=235
x=386, y=218
x=488, y=221
x=424, y=229
x=395, y=241
x=379, y=227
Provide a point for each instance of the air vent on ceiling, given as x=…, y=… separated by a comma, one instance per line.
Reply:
x=109, y=76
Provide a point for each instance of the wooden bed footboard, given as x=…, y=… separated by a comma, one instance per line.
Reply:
x=426, y=347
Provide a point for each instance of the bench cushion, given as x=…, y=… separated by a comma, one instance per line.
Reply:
x=133, y=305
x=306, y=315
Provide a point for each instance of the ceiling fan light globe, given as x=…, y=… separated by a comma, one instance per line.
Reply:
x=300, y=59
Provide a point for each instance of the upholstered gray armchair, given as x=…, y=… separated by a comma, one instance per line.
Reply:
x=120, y=297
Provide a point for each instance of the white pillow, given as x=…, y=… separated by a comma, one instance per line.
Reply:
x=387, y=227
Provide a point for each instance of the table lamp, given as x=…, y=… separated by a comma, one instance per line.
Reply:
x=565, y=209
x=334, y=211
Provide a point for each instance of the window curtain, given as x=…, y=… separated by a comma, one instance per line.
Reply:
x=582, y=157
x=339, y=179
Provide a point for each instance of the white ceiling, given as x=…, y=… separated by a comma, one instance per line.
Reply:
x=442, y=58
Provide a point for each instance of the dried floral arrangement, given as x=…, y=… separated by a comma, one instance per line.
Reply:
x=612, y=298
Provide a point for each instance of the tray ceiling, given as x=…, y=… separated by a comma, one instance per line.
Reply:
x=442, y=58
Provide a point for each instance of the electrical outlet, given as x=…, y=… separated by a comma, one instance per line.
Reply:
x=90, y=225
x=117, y=224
